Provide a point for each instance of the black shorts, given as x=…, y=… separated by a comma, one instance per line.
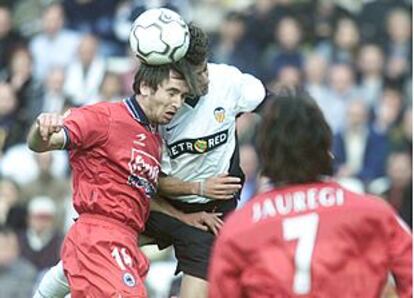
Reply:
x=192, y=246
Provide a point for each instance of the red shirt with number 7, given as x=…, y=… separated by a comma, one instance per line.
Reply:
x=312, y=240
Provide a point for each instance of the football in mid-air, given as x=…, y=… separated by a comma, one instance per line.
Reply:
x=159, y=36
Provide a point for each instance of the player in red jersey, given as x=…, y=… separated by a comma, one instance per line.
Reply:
x=308, y=236
x=115, y=153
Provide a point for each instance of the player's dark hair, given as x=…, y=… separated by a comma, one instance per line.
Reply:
x=197, y=52
x=294, y=138
x=154, y=75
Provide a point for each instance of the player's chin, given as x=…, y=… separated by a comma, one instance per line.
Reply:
x=167, y=117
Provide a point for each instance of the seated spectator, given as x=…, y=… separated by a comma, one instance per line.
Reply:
x=8, y=106
x=9, y=39
x=398, y=48
x=91, y=17
x=388, y=110
x=371, y=67
x=360, y=152
x=341, y=90
x=344, y=44
x=85, y=74
x=288, y=35
x=54, y=45
x=398, y=186
x=40, y=243
x=54, y=97
x=17, y=275
x=316, y=69
x=27, y=88
x=401, y=136
x=231, y=46
x=111, y=88
x=12, y=213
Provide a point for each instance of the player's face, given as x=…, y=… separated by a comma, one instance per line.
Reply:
x=202, y=77
x=168, y=99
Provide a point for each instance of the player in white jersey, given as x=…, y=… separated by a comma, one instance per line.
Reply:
x=201, y=162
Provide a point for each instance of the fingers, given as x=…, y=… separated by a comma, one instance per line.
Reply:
x=213, y=221
x=48, y=124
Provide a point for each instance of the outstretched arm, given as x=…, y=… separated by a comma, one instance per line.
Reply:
x=47, y=133
x=221, y=187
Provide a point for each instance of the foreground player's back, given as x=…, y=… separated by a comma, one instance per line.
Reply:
x=313, y=240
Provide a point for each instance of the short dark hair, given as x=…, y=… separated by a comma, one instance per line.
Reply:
x=198, y=49
x=294, y=138
x=154, y=75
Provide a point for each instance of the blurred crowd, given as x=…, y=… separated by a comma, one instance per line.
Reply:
x=353, y=56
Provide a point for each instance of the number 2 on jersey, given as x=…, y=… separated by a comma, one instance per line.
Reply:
x=303, y=229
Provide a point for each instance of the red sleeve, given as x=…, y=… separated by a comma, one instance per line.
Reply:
x=400, y=251
x=87, y=126
x=225, y=270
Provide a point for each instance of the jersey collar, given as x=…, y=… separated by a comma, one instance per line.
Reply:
x=192, y=101
x=136, y=111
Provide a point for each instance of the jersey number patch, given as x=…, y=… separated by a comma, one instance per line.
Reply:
x=303, y=229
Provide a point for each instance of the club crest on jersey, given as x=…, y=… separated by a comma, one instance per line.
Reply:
x=199, y=145
x=129, y=279
x=220, y=114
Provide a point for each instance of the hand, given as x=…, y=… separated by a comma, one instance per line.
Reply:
x=48, y=124
x=222, y=187
x=203, y=220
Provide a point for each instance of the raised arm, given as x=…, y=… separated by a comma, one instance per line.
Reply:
x=221, y=187
x=47, y=133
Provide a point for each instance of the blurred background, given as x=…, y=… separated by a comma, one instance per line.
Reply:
x=353, y=56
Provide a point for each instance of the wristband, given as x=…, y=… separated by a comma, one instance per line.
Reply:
x=201, y=188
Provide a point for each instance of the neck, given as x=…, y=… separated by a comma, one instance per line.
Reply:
x=146, y=107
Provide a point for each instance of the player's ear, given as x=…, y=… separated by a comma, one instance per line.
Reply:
x=144, y=88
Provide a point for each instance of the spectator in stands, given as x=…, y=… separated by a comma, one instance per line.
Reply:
x=388, y=110
x=9, y=199
x=85, y=74
x=343, y=47
x=316, y=68
x=55, y=100
x=399, y=184
x=341, y=90
x=27, y=88
x=288, y=36
x=9, y=39
x=398, y=48
x=231, y=46
x=97, y=18
x=47, y=184
x=360, y=152
x=54, y=45
x=17, y=275
x=371, y=67
x=401, y=136
x=8, y=107
x=40, y=243
x=111, y=87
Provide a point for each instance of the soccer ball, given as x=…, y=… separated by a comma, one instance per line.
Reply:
x=159, y=36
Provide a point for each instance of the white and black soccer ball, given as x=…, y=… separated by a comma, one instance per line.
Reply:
x=159, y=36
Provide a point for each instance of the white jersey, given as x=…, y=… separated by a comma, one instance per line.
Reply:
x=200, y=141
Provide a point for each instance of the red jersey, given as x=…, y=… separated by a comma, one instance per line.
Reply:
x=114, y=155
x=313, y=240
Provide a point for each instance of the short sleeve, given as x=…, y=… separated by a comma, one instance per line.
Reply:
x=249, y=90
x=87, y=126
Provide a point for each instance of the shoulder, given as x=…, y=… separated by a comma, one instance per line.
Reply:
x=222, y=70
